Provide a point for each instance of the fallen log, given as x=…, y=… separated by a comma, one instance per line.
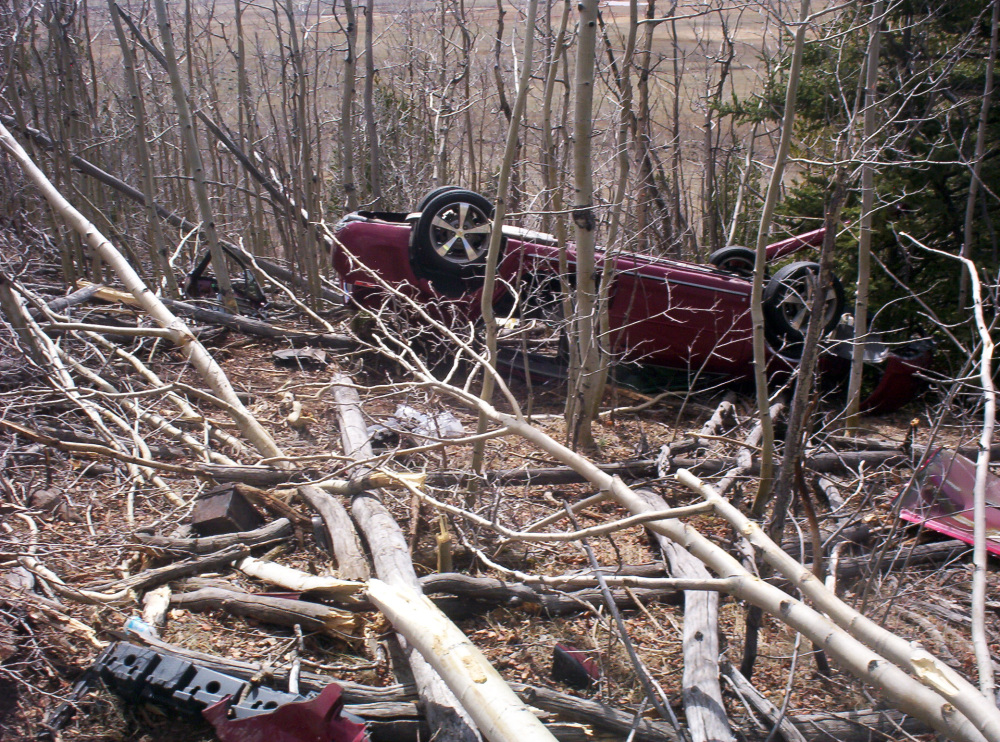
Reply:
x=66, y=433
x=254, y=476
x=161, y=575
x=237, y=322
x=762, y=705
x=488, y=589
x=703, y=705
x=558, y=604
x=923, y=554
x=596, y=713
x=393, y=565
x=498, y=713
x=278, y=530
x=265, y=477
x=867, y=725
x=311, y=586
x=351, y=561
x=281, y=611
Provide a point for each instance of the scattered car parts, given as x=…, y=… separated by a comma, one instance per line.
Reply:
x=941, y=499
x=238, y=710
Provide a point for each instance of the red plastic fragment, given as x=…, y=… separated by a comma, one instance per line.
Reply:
x=573, y=667
x=315, y=720
x=942, y=499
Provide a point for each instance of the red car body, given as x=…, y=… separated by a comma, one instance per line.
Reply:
x=663, y=312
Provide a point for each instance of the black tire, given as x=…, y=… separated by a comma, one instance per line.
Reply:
x=434, y=193
x=788, y=299
x=452, y=235
x=734, y=259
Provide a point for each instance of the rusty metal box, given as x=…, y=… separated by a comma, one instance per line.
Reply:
x=223, y=509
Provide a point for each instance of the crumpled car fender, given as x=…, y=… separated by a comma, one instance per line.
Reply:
x=316, y=720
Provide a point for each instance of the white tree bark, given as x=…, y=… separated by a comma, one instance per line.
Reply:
x=499, y=211
x=500, y=715
x=294, y=579
x=181, y=336
x=196, y=168
x=584, y=390
x=934, y=693
x=757, y=292
x=867, y=202
x=393, y=565
x=984, y=659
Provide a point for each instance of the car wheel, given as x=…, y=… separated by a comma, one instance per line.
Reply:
x=434, y=193
x=734, y=259
x=788, y=301
x=452, y=235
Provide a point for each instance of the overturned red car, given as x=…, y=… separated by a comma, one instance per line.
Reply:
x=663, y=313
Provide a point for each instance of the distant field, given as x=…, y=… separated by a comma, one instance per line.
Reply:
x=418, y=50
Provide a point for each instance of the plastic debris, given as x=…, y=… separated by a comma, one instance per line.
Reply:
x=574, y=667
x=316, y=720
x=137, y=626
x=299, y=357
x=239, y=711
x=942, y=498
x=437, y=425
x=383, y=436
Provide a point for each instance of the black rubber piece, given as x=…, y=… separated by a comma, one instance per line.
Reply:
x=434, y=193
x=448, y=207
x=788, y=283
x=734, y=259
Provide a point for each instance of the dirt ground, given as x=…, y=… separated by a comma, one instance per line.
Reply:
x=77, y=515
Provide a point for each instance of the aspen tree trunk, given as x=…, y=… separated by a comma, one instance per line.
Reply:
x=550, y=170
x=500, y=715
x=391, y=558
x=980, y=640
x=798, y=425
x=194, y=162
x=496, y=234
x=468, y=41
x=347, y=107
x=865, y=237
x=158, y=247
x=304, y=173
x=584, y=389
x=680, y=234
x=646, y=208
x=442, y=120
x=625, y=117
x=977, y=165
x=757, y=294
x=247, y=123
x=374, y=157
x=552, y=174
